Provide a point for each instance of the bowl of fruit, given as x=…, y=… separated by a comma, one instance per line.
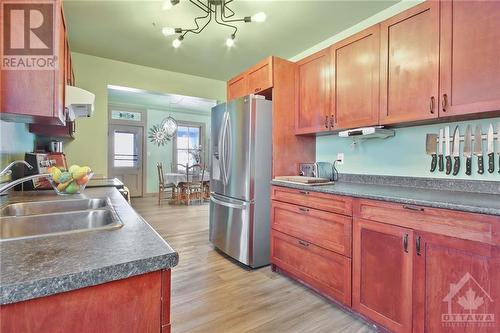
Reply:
x=71, y=181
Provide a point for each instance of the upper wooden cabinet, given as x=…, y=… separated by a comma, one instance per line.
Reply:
x=355, y=82
x=382, y=274
x=409, y=63
x=37, y=96
x=470, y=61
x=253, y=81
x=313, y=94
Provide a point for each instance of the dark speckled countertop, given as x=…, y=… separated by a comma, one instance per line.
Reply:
x=415, y=192
x=37, y=267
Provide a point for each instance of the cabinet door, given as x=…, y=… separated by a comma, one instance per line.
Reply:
x=382, y=274
x=260, y=77
x=409, y=63
x=457, y=285
x=355, y=102
x=237, y=87
x=470, y=62
x=313, y=94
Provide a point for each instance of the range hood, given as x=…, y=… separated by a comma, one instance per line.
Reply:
x=367, y=132
x=79, y=102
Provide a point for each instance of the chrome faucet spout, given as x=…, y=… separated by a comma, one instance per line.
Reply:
x=7, y=170
x=8, y=186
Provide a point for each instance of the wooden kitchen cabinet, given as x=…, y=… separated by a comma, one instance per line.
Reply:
x=255, y=80
x=455, y=277
x=136, y=304
x=237, y=87
x=409, y=65
x=355, y=99
x=37, y=96
x=470, y=65
x=313, y=94
x=382, y=274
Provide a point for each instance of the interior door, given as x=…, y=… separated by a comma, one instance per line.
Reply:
x=470, y=62
x=125, y=156
x=409, y=65
x=382, y=274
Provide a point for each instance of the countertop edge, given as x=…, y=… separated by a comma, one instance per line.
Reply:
x=25, y=291
x=432, y=204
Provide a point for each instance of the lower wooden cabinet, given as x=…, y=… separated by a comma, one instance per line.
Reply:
x=382, y=274
x=327, y=272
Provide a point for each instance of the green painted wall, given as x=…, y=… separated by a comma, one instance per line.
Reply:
x=401, y=155
x=95, y=74
x=164, y=154
x=15, y=140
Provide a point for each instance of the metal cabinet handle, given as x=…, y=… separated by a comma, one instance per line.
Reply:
x=414, y=208
x=326, y=121
x=431, y=104
x=405, y=243
x=417, y=246
x=303, y=243
x=258, y=89
x=304, y=192
x=302, y=209
x=444, y=103
x=332, y=122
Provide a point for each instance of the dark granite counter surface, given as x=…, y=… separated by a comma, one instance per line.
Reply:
x=424, y=192
x=43, y=266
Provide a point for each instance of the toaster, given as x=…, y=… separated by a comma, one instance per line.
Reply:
x=318, y=170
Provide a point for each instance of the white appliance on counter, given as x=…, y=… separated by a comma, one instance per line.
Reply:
x=241, y=156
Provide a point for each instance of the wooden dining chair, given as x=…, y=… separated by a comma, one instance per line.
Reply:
x=195, y=188
x=163, y=187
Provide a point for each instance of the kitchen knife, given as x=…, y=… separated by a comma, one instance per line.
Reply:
x=491, y=150
x=478, y=149
x=468, y=150
x=498, y=144
x=440, y=150
x=430, y=148
x=447, y=149
x=456, y=151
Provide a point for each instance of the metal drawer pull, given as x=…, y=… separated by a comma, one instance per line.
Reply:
x=303, y=243
x=414, y=208
x=405, y=243
x=304, y=209
x=326, y=121
x=431, y=104
x=417, y=246
x=304, y=192
x=445, y=102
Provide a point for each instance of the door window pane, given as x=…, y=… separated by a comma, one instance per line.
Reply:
x=125, y=150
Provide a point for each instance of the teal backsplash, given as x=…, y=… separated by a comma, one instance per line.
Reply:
x=15, y=140
x=402, y=155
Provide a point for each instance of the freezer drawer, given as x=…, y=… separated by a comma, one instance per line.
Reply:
x=230, y=225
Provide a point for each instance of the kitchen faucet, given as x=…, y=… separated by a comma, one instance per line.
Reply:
x=7, y=171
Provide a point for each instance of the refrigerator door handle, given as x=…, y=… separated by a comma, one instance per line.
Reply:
x=213, y=197
x=227, y=157
x=222, y=148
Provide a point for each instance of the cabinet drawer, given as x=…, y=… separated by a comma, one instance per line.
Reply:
x=328, y=230
x=330, y=203
x=325, y=271
x=463, y=225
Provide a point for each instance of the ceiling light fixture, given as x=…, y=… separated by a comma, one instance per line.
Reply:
x=214, y=9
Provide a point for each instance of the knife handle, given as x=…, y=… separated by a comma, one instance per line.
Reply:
x=433, y=162
x=491, y=162
x=456, y=165
x=448, y=165
x=441, y=162
x=480, y=165
x=468, y=166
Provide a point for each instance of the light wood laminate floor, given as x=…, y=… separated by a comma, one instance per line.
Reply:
x=210, y=293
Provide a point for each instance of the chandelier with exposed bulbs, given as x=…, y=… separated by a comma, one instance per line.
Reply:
x=214, y=9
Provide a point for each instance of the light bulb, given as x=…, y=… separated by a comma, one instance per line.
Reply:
x=259, y=17
x=167, y=31
x=230, y=42
x=176, y=43
x=169, y=4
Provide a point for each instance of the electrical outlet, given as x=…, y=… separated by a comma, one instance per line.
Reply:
x=340, y=158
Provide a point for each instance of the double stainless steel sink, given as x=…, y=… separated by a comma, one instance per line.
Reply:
x=51, y=217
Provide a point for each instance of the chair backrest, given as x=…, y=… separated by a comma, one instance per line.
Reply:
x=159, y=167
x=193, y=173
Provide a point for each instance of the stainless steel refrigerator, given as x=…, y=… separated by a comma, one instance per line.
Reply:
x=241, y=160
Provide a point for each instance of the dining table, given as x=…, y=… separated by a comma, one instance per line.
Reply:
x=176, y=178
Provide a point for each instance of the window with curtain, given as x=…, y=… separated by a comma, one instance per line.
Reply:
x=188, y=145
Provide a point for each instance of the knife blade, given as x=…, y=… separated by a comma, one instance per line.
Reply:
x=498, y=144
x=491, y=150
x=478, y=149
x=456, y=151
x=447, y=149
x=468, y=150
x=430, y=148
x=440, y=149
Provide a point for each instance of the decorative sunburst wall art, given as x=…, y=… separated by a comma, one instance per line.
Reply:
x=161, y=134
